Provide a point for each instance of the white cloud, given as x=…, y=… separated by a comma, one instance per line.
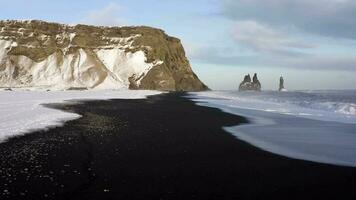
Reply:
x=191, y=49
x=216, y=55
x=332, y=62
x=264, y=38
x=107, y=16
x=334, y=18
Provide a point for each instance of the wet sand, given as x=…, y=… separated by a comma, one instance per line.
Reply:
x=163, y=147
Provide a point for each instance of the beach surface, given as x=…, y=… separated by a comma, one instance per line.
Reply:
x=162, y=147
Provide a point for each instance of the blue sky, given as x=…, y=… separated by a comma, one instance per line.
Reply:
x=311, y=43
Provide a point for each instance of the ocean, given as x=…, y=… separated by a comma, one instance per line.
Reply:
x=318, y=126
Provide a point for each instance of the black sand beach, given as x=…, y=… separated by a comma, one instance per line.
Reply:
x=163, y=147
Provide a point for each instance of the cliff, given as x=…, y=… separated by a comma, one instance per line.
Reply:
x=55, y=56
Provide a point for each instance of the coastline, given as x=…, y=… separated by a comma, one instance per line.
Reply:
x=312, y=135
x=162, y=147
x=22, y=111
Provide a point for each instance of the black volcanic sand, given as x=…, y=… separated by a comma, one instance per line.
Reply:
x=163, y=147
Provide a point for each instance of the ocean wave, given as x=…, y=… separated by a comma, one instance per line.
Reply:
x=323, y=105
x=349, y=109
x=316, y=126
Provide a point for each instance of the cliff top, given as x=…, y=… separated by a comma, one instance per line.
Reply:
x=38, y=40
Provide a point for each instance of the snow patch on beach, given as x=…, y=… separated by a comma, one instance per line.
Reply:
x=302, y=125
x=22, y=111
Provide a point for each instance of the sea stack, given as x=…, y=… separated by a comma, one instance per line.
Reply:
x=248, y=85
x=53, y=56
x=281, y=84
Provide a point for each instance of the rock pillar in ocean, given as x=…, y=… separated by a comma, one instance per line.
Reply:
x=246, y=84
x=256, y=82
x=281, y=83
x=247, y=78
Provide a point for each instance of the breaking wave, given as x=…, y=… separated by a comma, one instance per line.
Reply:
x=317, y=126
x=327, y=105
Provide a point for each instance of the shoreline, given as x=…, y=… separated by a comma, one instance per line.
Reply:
x=162, y=147
x=293, y=136
x=23, y=111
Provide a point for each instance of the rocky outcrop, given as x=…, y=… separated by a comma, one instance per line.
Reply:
x=247, y=84
x=281, y=84
x=56, y=56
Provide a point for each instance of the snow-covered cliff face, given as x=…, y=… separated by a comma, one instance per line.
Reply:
x=45, y=55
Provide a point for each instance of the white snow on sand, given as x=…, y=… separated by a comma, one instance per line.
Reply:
x=294, y=124
x=22, y=112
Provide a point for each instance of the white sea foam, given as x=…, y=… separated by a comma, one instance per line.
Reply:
x=22, y=112
x=337, y=106
x=317, y=126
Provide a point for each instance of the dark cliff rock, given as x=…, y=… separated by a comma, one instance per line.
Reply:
x=281, y=84
x=247, y=84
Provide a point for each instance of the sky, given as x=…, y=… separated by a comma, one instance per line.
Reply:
x=311, y=43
